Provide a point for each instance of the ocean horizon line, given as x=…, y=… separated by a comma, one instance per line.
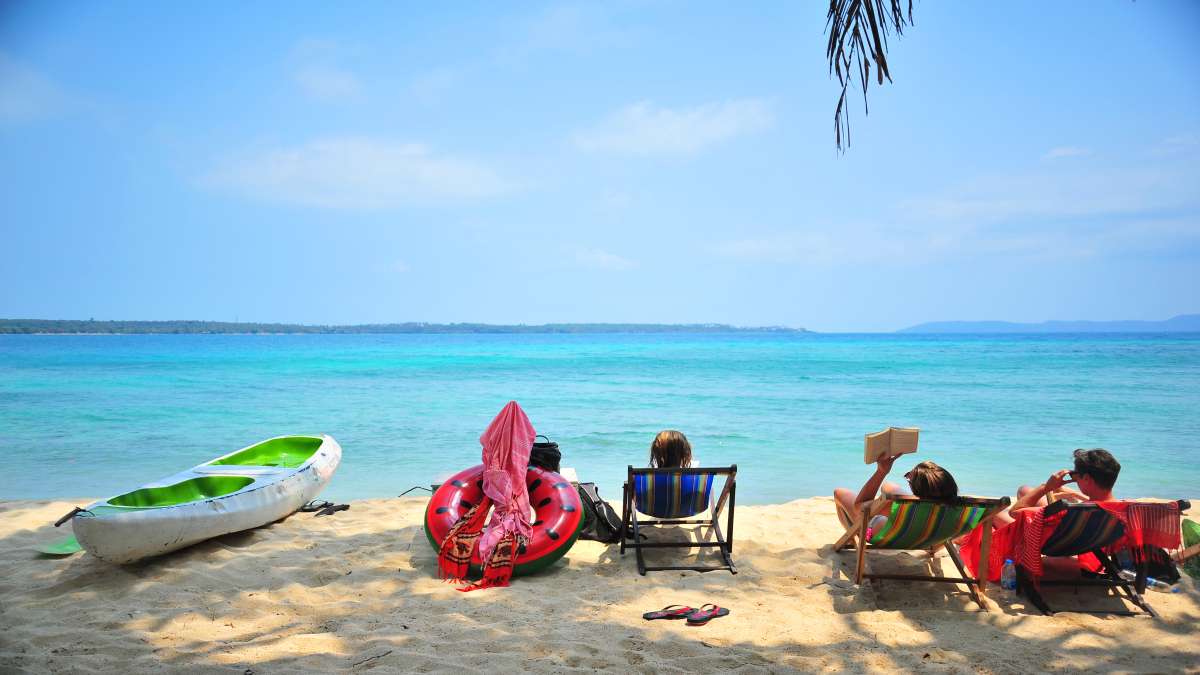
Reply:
x=1183, y=323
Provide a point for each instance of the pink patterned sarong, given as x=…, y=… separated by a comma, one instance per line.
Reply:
x=506, y=446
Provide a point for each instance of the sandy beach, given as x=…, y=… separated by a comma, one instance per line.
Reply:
x=358, y=591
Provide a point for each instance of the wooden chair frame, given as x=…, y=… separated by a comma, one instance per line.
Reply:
x=632, y=526
x=856, y=536
x=1110, y=578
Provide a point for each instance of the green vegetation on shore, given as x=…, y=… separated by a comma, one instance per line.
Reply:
x=57, y=326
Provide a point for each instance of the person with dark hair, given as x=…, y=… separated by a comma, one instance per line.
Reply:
x=1095, y=474
x=926, y=480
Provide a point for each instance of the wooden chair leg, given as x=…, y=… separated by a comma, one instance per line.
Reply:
x=625, y=511
x=985, y=553
x=847, y=539
x=725, y=548
x=637, y=549
x=973, y=586
x=862, y=548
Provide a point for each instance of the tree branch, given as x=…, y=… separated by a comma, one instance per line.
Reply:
x=858, y=33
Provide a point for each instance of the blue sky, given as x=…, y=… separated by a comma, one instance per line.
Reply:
x=646, y=162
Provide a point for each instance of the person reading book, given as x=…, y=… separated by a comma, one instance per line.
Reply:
x=926, y=480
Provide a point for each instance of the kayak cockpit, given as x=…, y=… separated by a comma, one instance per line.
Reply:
x=289, y=452
x=190, y=490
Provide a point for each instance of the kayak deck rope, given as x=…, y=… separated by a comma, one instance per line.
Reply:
x=74, y=512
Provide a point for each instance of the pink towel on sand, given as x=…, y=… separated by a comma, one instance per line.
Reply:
x=506, y=446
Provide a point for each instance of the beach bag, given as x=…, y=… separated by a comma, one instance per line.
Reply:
x=545, y=455
x=600, y=520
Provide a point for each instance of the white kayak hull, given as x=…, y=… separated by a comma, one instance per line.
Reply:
x=119, y=530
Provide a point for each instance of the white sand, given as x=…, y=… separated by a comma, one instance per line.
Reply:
x=357, y=591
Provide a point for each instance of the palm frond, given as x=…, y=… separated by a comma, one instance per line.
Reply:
x=858, y=34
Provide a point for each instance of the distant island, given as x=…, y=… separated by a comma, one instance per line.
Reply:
x=1184, y=323
x=91, y=326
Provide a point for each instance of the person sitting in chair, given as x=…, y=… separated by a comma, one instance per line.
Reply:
x=1095, y=474
x=926, y=480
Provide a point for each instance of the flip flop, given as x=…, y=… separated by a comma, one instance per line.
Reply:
x=702, y=616
x=669, y=612
x=332, y=509
x=315, y=505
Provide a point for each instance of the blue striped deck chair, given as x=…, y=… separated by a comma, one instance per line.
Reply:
x=924, y=524
x=1087, y=528
x=672, y=497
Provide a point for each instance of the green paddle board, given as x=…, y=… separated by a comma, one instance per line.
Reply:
x=1191, y=536
x=61, y=547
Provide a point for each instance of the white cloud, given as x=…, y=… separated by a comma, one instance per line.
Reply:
x=646, y=129
x=400, y=267
x=1051, y=195
x=845, y=244
x=26, y=95
x=891, y=246
x=357, y=173
x=316, y=68
x=597, y=259
x=1066, y=151
x=571, y=28
x=1177, y=145
x=328, y=83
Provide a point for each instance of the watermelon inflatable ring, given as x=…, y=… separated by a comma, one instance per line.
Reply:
x=558, y=515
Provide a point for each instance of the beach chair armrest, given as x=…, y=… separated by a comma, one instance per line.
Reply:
x=729, y=480
x=1186, y=553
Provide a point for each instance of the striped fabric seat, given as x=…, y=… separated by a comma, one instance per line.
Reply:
x=1083, y=531
x=919, y=525
x=672, y=496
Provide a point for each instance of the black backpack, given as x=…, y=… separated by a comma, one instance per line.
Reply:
x=600, y=521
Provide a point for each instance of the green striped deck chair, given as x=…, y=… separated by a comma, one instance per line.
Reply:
x=671, y=497
x=924, y=524
x=1087, y=528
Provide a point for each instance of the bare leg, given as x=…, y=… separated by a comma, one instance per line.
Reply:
x=1026, y=489
x=844, y=501
x=1001, y=519
x=1005, y=517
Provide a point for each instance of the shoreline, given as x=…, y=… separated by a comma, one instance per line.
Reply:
x=359, y=589
x=614, y=500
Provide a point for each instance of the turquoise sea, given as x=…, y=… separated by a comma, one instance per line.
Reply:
x=95, y=415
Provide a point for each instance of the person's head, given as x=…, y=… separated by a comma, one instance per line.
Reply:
x=930, y=481
x=670, y=449
x=1095, y=471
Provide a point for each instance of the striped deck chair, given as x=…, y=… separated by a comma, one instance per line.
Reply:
x=924, y=524
x=1087, y=528
x=672, y=497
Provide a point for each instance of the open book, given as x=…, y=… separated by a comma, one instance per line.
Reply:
x=890, y=441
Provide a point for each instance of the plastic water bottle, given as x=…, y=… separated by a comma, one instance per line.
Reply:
x=1008, y=576
x=1151, y=583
